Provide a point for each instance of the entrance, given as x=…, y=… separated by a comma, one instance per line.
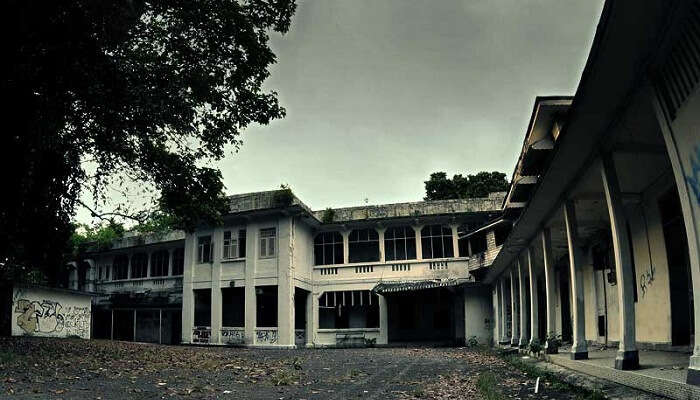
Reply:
x=422, y=316
x=681, y=286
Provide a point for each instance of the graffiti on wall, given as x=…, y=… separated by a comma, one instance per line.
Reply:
x=694, y=178
x=50, y=317
x=646, y=280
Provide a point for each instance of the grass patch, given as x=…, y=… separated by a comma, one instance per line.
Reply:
x=7, y=357
x=487, y=385
x=535, y=372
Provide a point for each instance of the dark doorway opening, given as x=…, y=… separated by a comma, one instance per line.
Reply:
x=567, y=333
x=422, y=316
x=681, y=284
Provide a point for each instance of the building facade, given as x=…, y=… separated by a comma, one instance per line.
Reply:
x=277, y=274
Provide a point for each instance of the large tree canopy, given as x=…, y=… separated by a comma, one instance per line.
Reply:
x=440, y=187
x=116, y=92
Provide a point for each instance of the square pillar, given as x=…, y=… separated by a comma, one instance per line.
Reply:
x=455, y=239
x=346, y=246
x=579, y=349
x=549, y=279
x=627, y=356
x=311, y=304
x=514, y=323
x=251, y=255
x=419, y=242
x=216, y=306
x=504, y=339
x=285, y=284
x=187, y=288
x=524, y=305
x=382, y=253
x=534, y=298
x=383, y=321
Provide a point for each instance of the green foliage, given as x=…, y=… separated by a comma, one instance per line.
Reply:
x=94, y=238
x=283, y=197
x=472, y=342
x=328, y=216
x=535, y=347
x=488, y=387
x=132, y=96
x=440, y=187
x=553, y=340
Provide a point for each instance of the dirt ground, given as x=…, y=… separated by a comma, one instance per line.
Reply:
x=34, y=368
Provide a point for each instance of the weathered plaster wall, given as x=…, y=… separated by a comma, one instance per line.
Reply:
x=478, y=317
x=50, y=313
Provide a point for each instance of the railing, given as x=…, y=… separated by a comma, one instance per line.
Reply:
x=483, y=259
x=409, y=269
x=232, y=335
x=156, y=282
x=265, y=335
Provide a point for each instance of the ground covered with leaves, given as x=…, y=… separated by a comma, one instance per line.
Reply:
x=35, y=368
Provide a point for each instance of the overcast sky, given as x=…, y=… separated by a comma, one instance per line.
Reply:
x=380, y=93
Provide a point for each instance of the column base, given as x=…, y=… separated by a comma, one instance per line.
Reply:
x=627, y=360
x=579, y=355
x=523, y=345
x=693, y=377
x=504, y=342
x=514, y=343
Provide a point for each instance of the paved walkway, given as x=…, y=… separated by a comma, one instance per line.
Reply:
x=662, y=373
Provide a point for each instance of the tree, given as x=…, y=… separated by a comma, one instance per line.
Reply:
x=440, y=187
x=120, y=94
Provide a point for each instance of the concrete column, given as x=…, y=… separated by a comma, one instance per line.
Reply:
x=285, y=284
x=534, y=298
x=251, y=255
x=549, y=280
x=188, y=287
x=128, y=268
x=382, y=253
x=216, y=306
x=504, y=339
x=310, y=325
x=383, y=321
x=171, y=255
x=346, y=246
x=514, y=323
x=148, y=264
x=627, y=355
x=90, y=276
x=469, y=247
x=314, y=318
x=419, y=242
x=681, y=138
x=579, y=349
x=524, y=305
x=455, y=239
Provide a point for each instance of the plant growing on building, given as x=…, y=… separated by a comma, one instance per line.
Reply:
x=154, y=93
x=283, y=197
x=328, y=216
x=440, y=187
x=553, y=340
x=472, y=342
x=370, y=342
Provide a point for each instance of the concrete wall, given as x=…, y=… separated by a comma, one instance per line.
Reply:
x=50, y=313
x=478, y=317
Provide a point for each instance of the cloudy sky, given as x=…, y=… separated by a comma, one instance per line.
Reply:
x=380, y=93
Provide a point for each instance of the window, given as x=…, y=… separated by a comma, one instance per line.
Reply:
x=328, y=248
x=139, y=265
x=268, y=237
x=159, y=263
x=266, y=303
x=363, y=245
x=107, y=268
x=348, y=309
x=204, y=249
x=121, y=267
x=178, y=261
x=400, y=243
x=436, y=241
x=202, y=307
x=233, y=307
x=234, y=244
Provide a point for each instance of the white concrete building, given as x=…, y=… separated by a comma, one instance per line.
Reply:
x=275, y=274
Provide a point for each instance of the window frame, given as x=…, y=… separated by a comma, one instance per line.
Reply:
x=323, y=244
x=360, y=241
x=263, y=236
x=431, y=238
x=405, y=239
x=230, y=249
x=202, y=249
x=165, y=268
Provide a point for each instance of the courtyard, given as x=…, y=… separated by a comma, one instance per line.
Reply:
x=36, y=368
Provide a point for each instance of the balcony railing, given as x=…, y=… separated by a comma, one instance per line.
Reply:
x=140, y=284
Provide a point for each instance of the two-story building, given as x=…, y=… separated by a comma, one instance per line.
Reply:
x=276, y=273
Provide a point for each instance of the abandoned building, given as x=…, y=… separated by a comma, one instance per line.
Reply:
x=596, y=244
x=275, y=275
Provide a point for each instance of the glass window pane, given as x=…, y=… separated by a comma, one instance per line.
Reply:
x=389, y=250
x=400, y=249
x=437, y=247
x=411, y=248
x=449, y=251
x=427, y=248
x=338, y=253
x=318, y=255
